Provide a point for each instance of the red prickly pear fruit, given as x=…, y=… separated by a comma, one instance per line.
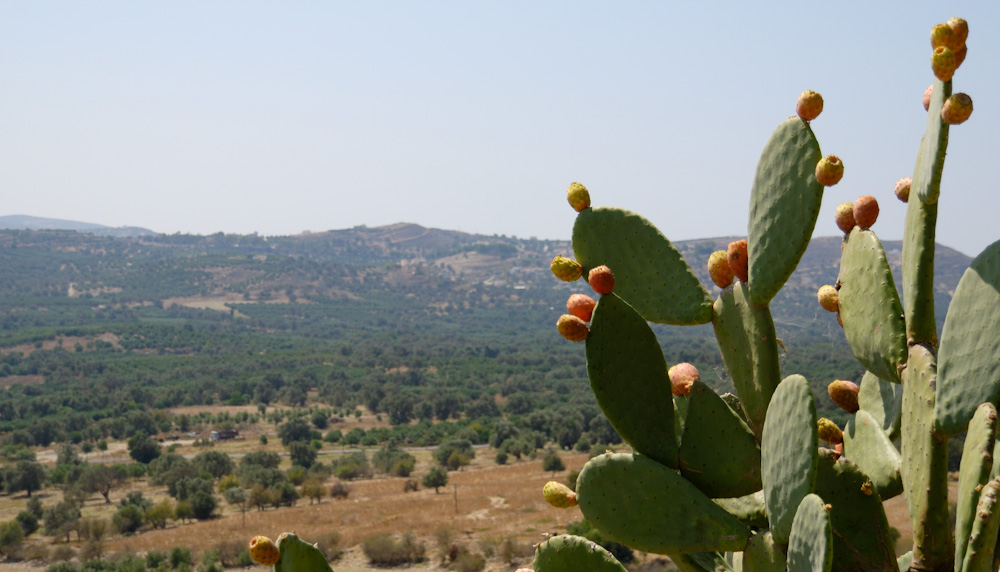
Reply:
x=809, y=105
x=264, y=551
x=578, y=197
x=682, y=377
x=719, y=270
x=944, y=35
x=927, y=97
x=845, y=217
x=559, y=495
x=739, y=260
x=601, y=280
x=961, y=29
x=838, y=451
x=865, y=211
x=957, y=109
x=581, y=306
x=902, y=188
x=829, y=432
x=844, y=395
x=566, y=268
x=829, y=170
x=943, y=63
x=572, y=328
x=829, y=298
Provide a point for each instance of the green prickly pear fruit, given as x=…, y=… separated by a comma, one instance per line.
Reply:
x=578, y=197
x=829, y=432
x=829, y=170
x=865, y=211
x=961, y=29
x=581, y=306
x=844, y=395
x=566, y=268
x=845, y=217
x=944, y=35
x=719, y=270
x=572, y=328
x=264, y=551
x=902, y=188
x=927, y=97
x=809, y=105
x=957, y=109
x=829, y=298
x=602, y=280
x=682, y=377
x=559, y=495
x=739, y=261
x=943, y=63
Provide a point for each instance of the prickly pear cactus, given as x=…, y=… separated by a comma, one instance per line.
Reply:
x=743, y=482
x=289, y=554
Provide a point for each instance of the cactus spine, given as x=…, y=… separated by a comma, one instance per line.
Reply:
x=820, y=508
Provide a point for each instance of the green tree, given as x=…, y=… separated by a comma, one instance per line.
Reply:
x=238, y=496
x=128, y=519
x=302, y=454
x=293, y=430
x=203, y=505
x=11, y=537
x=215, y=463
x=143, y=448
x=61, y=519
x=437, y=477
x=449, y=446
x=25, y=476
x=100, y=479
x=553, y=463
x=314, y=490
x=159, y=514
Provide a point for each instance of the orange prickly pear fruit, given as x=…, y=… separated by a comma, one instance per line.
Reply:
x=719, y=270
x=581, y=306
x=845, y=217
x=264, y=551
x=844, y=394
x=957, y=109
x=682, y=377
x=809, y=105
x=902, y=188
x=559, y=495
x=961, y=29
x=601, y=280
x=865, y=211
x=572, y=328
x=739, y=261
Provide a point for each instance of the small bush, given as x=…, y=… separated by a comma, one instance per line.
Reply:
x=28, y=522
x=513, y=551
x=62, y=553
x=155, y=559
x=180, y=556
x=229, y=552
x=340, y=490
x=330, y=546
x=501, y=458
x=384, y=550
x=92, y=550
x=469, y=562
x=411, y=485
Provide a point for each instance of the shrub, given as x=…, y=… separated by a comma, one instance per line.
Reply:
x=11, y=536
x=513, y=551
x=469, y=562
x=436, y=478
x=155, y=559
x=501, y=458
x=230, y=552
x=340, y=490
x=553, y=463
x=180, y=556
x=28, y=522
x=62, y=553
x=202, y=505
x=411, y=485
x=330, y=546
x=128, y=519
x=384, y=550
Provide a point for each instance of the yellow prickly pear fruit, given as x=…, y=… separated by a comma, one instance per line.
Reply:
x=809, y=105
x=944, y=35
x=865, y=211
x=902, y=188
x=961, y=29
x=559, y=495
x=572, y=328
x=739, y=260
x=943, y=63
x=601, y=280
x=264, y=551
x=829, y=170
x=845, y=217
x=829, y=298
x=844, y=395
x=719, y=270
x=957, y=109
x=566, y=268
x=578, y=196
x=682, y=377
x=581, y=306
x=829, y=432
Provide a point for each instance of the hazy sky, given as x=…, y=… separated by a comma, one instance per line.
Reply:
x=279, y=117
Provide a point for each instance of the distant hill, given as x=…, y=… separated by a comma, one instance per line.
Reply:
x=25, y=222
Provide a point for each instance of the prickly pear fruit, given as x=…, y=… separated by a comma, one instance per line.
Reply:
x=902, y=188
x=566, y=269
x=809, y=105
x=559, y=495
x=960, y=56
x=264, y=551
x=719, y=270
x=829, y=170
x=957, y=109
x=844, y=395
x=578, y=196
x=927, y=97
x=943, y=63
x=572, y=328
x=865, y=211
x=739, y=261
x=829, y=432
x=581, y=306
x=601, y=280
x=682, y=377
x=961, y=29
x=829, y=298
x=845, y=217
x=944, y=35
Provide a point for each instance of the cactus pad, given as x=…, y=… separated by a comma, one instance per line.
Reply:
x=643, y=504
x=718, y=452
x=784, y=204
x=870, y=308
x=763, y=555
x=982, y=541
x=299, y=556
x=628, y=375
x=974, y=472
x=749, y=509
x=649, y=272
x=968, y=367
x=883, y=401
x=567, y=553
x=788, y=453
x=926, y=183
x=867, y=445
x=810, y=547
